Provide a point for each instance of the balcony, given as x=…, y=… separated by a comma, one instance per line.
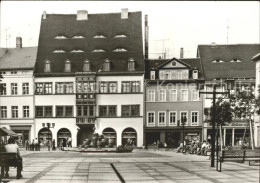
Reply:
x=85, y=120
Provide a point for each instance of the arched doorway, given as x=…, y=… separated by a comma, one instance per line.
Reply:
x=129, y=135
x=110, y=134
x=63, y=133
x=44, y=135
x=83, y=134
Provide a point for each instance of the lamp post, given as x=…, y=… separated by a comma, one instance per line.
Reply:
x=183, y=120
x=48, y=127
x=213, y=121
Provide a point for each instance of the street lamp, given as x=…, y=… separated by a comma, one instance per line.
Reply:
x=213, y=120
x=48, y=127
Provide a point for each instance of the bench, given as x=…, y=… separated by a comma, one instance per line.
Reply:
x=237, y=156
x=7, y=160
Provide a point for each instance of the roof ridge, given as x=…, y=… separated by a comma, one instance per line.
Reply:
x=59, y=14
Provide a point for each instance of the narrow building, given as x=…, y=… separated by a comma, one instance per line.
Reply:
x=16, y=90
x=173, y=108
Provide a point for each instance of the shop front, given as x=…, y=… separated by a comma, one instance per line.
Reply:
x=23, y=134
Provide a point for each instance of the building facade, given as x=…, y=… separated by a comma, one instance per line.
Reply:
x=17, y=90
x=89, y=77
x=171, y=94
x=229, y=65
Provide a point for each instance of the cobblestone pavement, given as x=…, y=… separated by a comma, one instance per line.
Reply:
x=138, y=166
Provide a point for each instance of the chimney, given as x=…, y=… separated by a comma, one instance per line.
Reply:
x=82, y=15
x=124, y=13
x=44, y=15
x=181, y=53
x=19, y=42
x=146, y=38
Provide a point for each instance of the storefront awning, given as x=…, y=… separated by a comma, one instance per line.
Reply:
x=6, y=132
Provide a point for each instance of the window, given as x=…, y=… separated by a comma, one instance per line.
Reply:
x=26, y=112
x=107, y=111
x=60, y=37
x=168, y=75
x=162, y=95
x=120, y=36
x=58, y=51
x=150, y=119
x=47, y=66
x=25, y=88
x=130, y=110
x=3, y=112
x=14, y=111
x=85, y=87
x=43, y=88
x=99, y=36
x=119, y=50
x=106, y=65
x=64, y=88
x=13, y=72
x=183, y=116
x=161, y=120
x=135, y=86
x=78, y=37
x=151, y=95
x=173, y=118
x=194, y=118
x=152, y=75
x=103, y=87
x=112, y=87
x=86, y=66
x=194, y=95
x=126, y=87
x=43, y=111
x=67, y=66
x=2, y=72
x=2, y=89
x=131, y=64
x=48, y=88
x=173, y=95
x=14, y=88
x=79, y=110
x=184, y=95
x=64, y=111
x=98, y=50
x=91, y=110
x=209, y=89
x=76, y=51
x=86, y=110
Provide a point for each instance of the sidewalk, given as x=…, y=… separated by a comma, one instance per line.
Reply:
x=139, y=166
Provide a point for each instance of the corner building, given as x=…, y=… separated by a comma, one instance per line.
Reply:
x=89, y=77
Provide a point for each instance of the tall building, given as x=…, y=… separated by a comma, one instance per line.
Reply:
x=16, y=90
x=171, y=95
x=89, y=77
x=231, y=66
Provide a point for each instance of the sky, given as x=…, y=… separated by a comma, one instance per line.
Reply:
x=172, y=24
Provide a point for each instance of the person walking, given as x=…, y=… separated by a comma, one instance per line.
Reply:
x=33, y=145
x=36, y=144
x=27, y=145
x=64, y=144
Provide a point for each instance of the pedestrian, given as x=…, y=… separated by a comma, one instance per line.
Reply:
x=53, y=145
x=49, y=145
x=69, y=142
x=36, y=144
x=33, y=145
x=27, y=145
x=64, y=144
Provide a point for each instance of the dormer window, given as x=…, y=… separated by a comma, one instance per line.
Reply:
x=86, y=66
x=98, y=50
x=195, y=74
x=120, y=36
x=106, y=65
x=77, y=51
x=217, y=61
x=152, y=75
x=131, y=64
x=47, y=66
x=58, y=51
x=67, y=66
x=78, y=37
x=235, y=60
x=119, y=50
x=60, y=37
x=99, y=36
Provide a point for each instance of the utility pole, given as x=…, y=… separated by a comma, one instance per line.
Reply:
x=213, y=121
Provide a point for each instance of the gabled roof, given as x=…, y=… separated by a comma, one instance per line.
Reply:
x=108, y=25
x=227, y=53
x=18, y=58
x=156, y=64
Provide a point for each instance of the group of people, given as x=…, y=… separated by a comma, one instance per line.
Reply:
x=65, y=143
x=33, y=146
x=195, y=147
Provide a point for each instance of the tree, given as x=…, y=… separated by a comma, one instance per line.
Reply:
x=223, y=115
x=245, y=105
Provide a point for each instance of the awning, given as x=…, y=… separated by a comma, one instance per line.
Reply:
x=6, y=132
